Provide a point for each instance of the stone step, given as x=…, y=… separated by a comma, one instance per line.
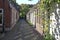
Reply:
x=28, y=33
x=28, y=36
x=18, y=36
x=27, y=30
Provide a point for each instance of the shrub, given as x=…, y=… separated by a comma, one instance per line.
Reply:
x=47, y=36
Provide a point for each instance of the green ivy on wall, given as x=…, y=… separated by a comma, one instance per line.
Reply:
x=46, y=7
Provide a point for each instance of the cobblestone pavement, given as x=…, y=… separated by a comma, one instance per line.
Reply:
x=22, y=31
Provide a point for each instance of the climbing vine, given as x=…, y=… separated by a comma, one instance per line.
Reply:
x=46, y=7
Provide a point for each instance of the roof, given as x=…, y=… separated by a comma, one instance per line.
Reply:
x=34, y=8
x=15, y=5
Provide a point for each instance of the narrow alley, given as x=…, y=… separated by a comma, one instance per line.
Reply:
x=22, y=31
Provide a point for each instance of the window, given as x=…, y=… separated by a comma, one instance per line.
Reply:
x=0, y=11
x=1, y=16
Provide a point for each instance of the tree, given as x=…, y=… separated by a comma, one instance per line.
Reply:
x=29, y=0
x=24, y=8
x=14, y=0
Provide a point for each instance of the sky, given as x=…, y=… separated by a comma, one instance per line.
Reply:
x=26, y=2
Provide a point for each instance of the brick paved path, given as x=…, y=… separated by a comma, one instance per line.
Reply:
x=22, y=31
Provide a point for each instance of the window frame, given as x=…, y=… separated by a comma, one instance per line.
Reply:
x=2, y=16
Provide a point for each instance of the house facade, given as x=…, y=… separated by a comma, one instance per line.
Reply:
x=55, y=22
x=9, y=14
x=36, y=20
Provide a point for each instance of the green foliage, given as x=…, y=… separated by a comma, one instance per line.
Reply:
x=48, y=4
x=46, y=7
x=29, y=22
x=24, y=9
x=14, y=0
x=48, y=37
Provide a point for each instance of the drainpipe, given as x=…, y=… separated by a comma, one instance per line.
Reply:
x=3, y=18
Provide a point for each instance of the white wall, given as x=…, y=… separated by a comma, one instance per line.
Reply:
x=32, y=17
x=55, y=25
x=14, y=14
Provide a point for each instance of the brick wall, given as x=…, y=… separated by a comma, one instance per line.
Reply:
x=1, y=3
x=6, y=9
x=7, y=14
x=11, y=15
